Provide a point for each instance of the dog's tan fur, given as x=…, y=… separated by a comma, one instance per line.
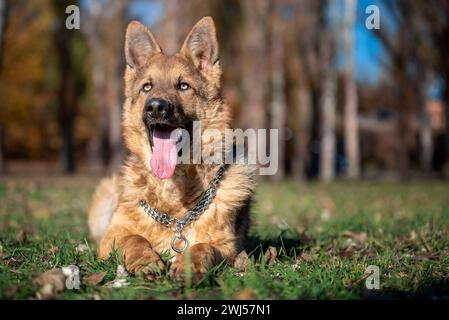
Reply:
x=115, y=219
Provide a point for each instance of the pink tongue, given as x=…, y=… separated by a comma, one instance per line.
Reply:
x=163, y=161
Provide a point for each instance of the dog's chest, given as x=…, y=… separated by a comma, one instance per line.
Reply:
x=198, y=231
x=175, y=200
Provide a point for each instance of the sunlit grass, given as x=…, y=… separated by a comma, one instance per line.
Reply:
x=325, y=235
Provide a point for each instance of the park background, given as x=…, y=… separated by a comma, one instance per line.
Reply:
x=353, y=102
x=364, y=156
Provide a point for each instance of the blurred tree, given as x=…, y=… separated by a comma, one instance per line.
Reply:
x=255, y=53
x=279, y=70
x=351, y=136
x=328, y=94
x=417, y=43
x=28, y=82
x=278, y=107
x=304, y=69
x=299, y=97
x=421, y=56
x=399, y=42
x=254, y=70
x=4, y=8
x=228, y=18
x=69, y=88
x=104, y=27
x=436, y=17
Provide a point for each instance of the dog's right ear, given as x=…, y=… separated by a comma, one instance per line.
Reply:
x=140, y=45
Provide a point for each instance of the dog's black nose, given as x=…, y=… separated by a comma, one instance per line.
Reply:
x=157, y=107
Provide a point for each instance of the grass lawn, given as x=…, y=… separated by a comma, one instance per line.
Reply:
x=325, y=237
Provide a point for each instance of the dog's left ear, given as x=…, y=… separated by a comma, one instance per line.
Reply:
x=201, y=45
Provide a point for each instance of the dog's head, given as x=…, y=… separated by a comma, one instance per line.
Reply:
x=165, y=94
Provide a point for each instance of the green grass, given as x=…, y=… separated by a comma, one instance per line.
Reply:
x=326, y=236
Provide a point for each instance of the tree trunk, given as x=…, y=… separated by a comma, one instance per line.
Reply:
x=255, y=14
x=328, y=98
x=446, y=140
x=303, y=137
x=404, y=101
x=255, y=77
x=4, y=6
x=328, y=117
x=426, y=140
x=351, y=132
x=404, y=128
x=116, y=87
x=278, y=107
x=67, y=92
x=107, y=73
x=3, y=15
x=425, y=129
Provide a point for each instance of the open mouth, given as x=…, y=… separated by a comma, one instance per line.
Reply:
x=163, y=139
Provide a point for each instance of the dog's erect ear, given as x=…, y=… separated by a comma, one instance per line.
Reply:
x=140, y=44
x=201, y=44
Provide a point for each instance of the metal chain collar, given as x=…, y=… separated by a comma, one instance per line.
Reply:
x=178, y=225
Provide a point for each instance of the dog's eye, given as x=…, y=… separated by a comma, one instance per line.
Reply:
x=147, y=87
x=183, y=86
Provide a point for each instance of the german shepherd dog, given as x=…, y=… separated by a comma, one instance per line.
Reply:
x=143, y=210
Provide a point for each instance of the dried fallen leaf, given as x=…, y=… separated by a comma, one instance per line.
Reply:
x=117, y=283
x=95, y=278
x=305, y=257
x=296, y=266
x=242, y=262
x=70, y=270
x=121, y=272
x=51, y=283
x=53, y=249
x=352, y=283
x=13, y=262
x=347, y=252
x=330, y=253
x=81, y=248
x=120, y=279
x=359, y=237
x=72, y=274
x=270, y=256
x=245, y=294
x=21, y=236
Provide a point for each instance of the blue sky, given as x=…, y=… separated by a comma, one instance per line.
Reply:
x=369, y=52
x=146, y=11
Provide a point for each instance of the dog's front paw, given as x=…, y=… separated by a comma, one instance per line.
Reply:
x=202, y=258
x=148, y=264
x=176, y=271
x=179, y=271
